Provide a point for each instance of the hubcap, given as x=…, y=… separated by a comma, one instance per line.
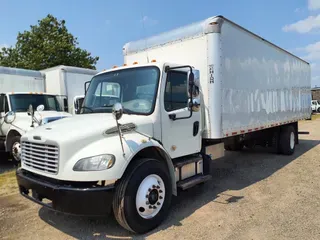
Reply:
x=150, y=196
x=16, y=151
x=292, y=141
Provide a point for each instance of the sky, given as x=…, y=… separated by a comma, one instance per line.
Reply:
x=104, y=26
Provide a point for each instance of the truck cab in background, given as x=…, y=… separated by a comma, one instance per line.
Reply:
x=315, y=106
x=16, y=117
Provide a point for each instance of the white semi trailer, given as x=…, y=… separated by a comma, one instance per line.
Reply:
x=155, y=124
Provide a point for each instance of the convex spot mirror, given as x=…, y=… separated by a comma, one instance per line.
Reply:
x=9, y=117
x=117, y=111
x=40, y=108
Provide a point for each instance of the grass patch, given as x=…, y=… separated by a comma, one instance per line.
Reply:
x=8, y=183
x=315, y=116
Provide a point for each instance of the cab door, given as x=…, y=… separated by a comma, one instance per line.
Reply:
x=181, y=128
x=4, y=108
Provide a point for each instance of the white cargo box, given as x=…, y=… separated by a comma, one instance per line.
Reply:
x=247, y=82
x=67, y=82
x=20, y=80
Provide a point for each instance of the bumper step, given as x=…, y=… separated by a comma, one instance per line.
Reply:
x=192, y=181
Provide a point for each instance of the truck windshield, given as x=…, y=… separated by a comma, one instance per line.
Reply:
x=21, y=102
x=134, y=88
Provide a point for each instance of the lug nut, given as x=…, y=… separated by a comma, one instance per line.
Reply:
x=147, y=203
x=158, y=203
x=147, y=196
x=154, y=207
x=149, y=189
x=161, y=197
x=160, y=191
x=150, y=207
x=158, y=186
x=153, y=186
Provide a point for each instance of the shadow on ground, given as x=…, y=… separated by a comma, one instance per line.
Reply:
x=236, y=171
x=5, y=164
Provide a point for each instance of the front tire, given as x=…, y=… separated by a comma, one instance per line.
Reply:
x=143, y=196
x=15, y=149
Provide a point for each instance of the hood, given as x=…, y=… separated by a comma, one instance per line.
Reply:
x=23, y=120
x=89, y=127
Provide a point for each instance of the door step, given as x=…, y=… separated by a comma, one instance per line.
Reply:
x=192, y=181
x=180, y=162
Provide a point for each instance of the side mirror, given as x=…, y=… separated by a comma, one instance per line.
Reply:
x=86, y=86
x=30, y=110
x=65, y=105
x=194, y=90
x=117, y=111
x=40, y=108
x=9, y=117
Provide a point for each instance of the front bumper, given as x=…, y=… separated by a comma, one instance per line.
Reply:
x=67, y=197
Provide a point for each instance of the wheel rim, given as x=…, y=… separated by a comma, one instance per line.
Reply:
x=292, y=140
x=150, y=196
x=16, y=151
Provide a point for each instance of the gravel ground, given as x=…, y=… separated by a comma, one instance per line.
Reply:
x=253, y=195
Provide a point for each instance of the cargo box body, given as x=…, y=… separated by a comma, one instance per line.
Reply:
x=247, y=83
x=20, y=80
x=67, y=82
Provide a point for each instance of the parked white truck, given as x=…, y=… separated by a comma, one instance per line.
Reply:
x=315, y=106
x=19, y=89
x=181, y=98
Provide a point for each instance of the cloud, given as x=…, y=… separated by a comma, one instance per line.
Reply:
x=304, y=26
x=313, y=5
x=149, y=21
x=312, y=51
x=3, y=45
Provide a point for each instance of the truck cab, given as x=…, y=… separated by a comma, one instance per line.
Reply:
x=16, y=119
x=132, y=119
x=315, y=106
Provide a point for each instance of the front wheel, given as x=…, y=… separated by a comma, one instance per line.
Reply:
x=15, y=149
x=143, y=196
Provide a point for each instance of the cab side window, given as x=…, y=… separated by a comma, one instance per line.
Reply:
x=175, y=96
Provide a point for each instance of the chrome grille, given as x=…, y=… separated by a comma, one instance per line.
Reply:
x=40, y=156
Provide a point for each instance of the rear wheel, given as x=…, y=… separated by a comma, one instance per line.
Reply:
x=143, y=196
x=287, y=140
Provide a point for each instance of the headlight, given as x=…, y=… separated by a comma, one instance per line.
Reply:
x=95, y=163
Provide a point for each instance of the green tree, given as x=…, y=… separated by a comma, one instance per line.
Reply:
x=46, y=45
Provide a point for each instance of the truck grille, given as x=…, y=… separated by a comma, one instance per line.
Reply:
x=39, y=156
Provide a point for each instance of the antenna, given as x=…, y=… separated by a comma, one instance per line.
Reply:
x=144, y=33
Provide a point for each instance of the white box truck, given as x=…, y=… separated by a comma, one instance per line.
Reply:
x=68, y=84
x=20, y=88
x=153, y=126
